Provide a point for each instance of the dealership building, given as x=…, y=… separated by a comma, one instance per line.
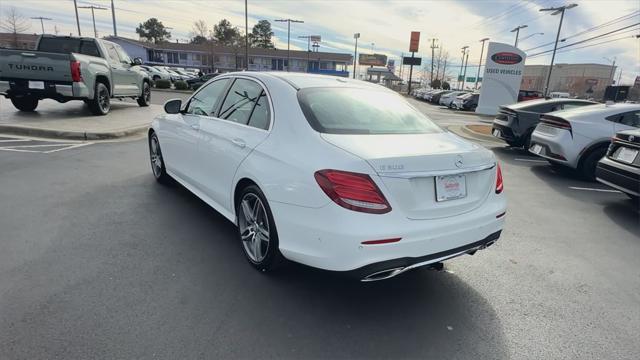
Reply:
x=582, y=80
x=209, y=57
x=212, y=57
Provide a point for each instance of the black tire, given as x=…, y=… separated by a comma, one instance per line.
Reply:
x=25, y=103
x=145, y=99
x=473, y=107
x=156, y=77
x=101, y=102
x=526, y=141
x=272, y=259
x=588, y=165
x=158, y=168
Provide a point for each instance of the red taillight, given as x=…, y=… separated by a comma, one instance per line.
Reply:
x=352, y=191
x=555, y=121
x=499, y=183
x=378, y=242
x=76, y=75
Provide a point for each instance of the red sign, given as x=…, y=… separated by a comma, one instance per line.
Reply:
x=506, y=58
x=415, y=41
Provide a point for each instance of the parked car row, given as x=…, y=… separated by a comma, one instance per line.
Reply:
x=453, y=99
x=172, y=74
x=600, y=141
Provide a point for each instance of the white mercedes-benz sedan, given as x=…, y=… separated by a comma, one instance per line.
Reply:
x=333, y=173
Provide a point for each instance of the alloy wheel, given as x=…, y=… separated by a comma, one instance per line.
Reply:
x=103, y=99
x=156, y=156
x=254, y=227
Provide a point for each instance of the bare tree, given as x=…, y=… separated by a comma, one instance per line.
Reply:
x=200, y=31
x=14, y=23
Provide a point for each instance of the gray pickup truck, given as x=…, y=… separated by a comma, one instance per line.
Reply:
x=67, y=68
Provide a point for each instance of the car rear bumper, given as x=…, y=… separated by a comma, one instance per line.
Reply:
x=619, y=176
x=52, y=89
x=332, y=237
x=504, y=132
x=558, y=147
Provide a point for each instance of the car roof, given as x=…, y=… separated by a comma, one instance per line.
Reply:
x=599, y=109
x=305, y=80
x=524, y=104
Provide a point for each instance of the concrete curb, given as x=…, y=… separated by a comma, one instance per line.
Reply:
x=478, y=135
x=72, y=135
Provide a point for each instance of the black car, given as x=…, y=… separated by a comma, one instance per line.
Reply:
x=620, y=167
x=515, y=123
x=466, y=102
x=197, y=82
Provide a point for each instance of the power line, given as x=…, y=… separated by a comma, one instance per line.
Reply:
x=590, y=45
x=585, y=40
x=594, y=28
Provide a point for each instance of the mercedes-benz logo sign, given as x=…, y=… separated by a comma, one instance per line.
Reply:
x=632, y=138
x=459, y=161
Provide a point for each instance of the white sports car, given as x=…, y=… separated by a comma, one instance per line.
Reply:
x=333, y=173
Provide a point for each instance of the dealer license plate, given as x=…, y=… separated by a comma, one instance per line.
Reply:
x=36, y=85
x=626, y=155
x=450, y=187
x=496, y=132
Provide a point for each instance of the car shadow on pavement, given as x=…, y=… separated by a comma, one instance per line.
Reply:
x=301, y=312
x=70, y=110
x=624, y=213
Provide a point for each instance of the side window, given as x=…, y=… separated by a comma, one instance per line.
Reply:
x=204, y=101
x=240, y=101
x=124, y=58
x=631, y=119
x=89, y=48
x=261, y=114
x=112, y=53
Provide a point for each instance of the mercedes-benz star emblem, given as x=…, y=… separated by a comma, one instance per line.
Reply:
x=459, y=162
x=632, y=138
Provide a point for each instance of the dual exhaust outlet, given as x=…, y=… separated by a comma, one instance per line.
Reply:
x=434, y=264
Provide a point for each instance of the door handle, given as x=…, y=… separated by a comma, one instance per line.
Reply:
x=239, y=143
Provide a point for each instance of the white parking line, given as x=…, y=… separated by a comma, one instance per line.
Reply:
x=593, y=189
x=531, y=160
x=14, y=140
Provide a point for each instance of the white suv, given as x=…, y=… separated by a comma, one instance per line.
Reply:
x=579, y=137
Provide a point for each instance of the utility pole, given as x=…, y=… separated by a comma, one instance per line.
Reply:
x=480, y=64
x=438, y=64
x=246, y=35
x=113, y=15
x=613, y=66
x=401, y=66
x=289, y=21
x=556, y=10
x=41, y=21
x=93, y=16
x=444, y=71
x=355, y=53
x=466, y=62
x=517, y=31
x=433, y=47
x=75, y=6
x=464, y=51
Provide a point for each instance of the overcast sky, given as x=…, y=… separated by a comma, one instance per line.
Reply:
x=386, y=24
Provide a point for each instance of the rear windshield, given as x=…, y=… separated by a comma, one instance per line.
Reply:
x=68, y=45
x=362, y=111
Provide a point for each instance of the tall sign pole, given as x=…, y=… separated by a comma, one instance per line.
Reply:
x=75, y=5
x=355, y=54
x=414, y=44
x=480, y=63
x=113, y=15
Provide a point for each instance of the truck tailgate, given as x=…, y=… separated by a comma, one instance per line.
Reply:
x=35, y=65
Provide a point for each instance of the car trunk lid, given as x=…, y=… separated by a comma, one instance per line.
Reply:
x=412, y=166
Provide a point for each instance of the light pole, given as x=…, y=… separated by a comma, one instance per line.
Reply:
x=289, y=21
x=93, y=16
x=464, y=51
x=75, y=6
x=113, y=15
x=480, y=64
x=613, y=66
x=433, y=47
x=246, y=36
x=517, y=31
x=464, y=76
x=41, y=21
x=355, y=53
x=529, y=36
x=556, y=10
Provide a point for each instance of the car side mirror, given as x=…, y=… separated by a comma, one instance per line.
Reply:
x=137, y=61
x=173, y=106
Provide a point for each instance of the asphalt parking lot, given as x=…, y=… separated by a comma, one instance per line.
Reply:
x=97, y=260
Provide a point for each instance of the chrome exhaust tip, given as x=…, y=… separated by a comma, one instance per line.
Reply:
x=383, y=275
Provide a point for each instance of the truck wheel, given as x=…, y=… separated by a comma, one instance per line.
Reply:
x=25, y=103
x=145, y=99
x=101, y=103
